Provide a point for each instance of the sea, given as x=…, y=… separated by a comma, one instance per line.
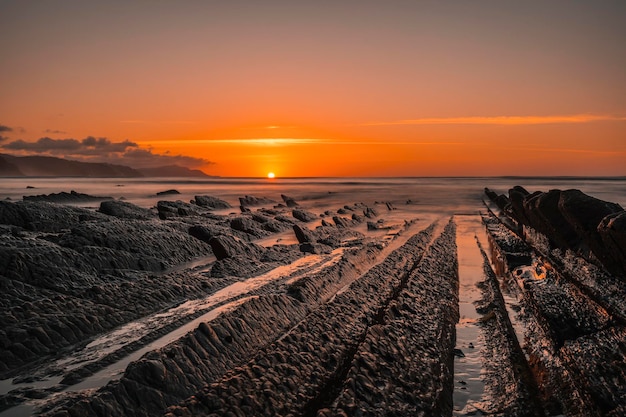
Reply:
x=433, y=195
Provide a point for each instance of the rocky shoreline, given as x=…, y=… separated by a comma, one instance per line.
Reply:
x=354, y=315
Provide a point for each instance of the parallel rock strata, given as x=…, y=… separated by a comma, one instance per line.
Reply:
x=71, y=273
x=508, y=381
x=404, y=365
x=169, y=375
x=568, y=319
x=293, y=374
x=571, y=220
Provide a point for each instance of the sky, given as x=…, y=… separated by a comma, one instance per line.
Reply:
x=319, y=88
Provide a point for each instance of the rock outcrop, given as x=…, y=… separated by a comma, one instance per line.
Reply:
x=124, y=210
x=570, y=220
x=211, y=202
x=65, y=198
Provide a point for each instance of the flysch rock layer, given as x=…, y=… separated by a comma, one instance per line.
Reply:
x=70, y=273
x=404, y=364
x=294, y=374
x=568, y=330
x=509, y=384
x=169, y=375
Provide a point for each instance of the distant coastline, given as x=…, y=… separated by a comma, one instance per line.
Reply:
x=47, y=166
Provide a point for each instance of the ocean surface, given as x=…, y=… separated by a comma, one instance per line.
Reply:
x=426, y=195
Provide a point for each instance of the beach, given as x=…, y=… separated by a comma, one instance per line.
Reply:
x=317, y=296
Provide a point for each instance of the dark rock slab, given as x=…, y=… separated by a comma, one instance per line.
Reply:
x=251, y=201
x=225, y=246
x=612, y=231
x=584, y=213
x=43, y=216
x=544, y=214
x=289, y=201
x=303, y=215
x=168, y=192
x=211, y=202
x=64, y=197
x=124, y=210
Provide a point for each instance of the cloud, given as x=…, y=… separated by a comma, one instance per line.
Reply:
x=93, y=149
x=503, y=120
x=4, y=128
x=44, y=145
x=54, y=132
x=145, y=158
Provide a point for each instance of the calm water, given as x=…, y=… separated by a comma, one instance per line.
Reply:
x=430, y=195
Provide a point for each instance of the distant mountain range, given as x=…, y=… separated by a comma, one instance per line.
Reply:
x=48, y=166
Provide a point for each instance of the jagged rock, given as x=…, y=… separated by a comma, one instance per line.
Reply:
x=211, y=202
x=343, y=222
x=379, y=225
x=250, y=201
x=542, y=211
x=206, y=232
x=517, y=195
x=289, y=201
x=247, y=225
x=304, y=215
x=370, y=212
x=314, y=248
x=303, y=234
x=282, y=254
x=224, y=246
x=259, y=218
x=584, y=213
x=238, y=266
x=63, y=197
x=612, y=230
x=168, y=192
x=124, y=210
x=43, y=216
x=492, y=195
x=169, y=209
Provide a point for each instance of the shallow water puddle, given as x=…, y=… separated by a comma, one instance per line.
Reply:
x=468, y=385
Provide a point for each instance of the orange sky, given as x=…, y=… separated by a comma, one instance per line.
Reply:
x=347, y=88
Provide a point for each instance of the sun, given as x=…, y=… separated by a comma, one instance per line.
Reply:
x=270, y=175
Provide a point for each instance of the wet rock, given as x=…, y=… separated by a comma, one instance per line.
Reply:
x=370, y=212
x=315, y=248
x=247, y=225
x=303, y=234
x=303, y=215
x=251, y=201
x=544, y=215
x=170, y=209
x=168, y=192
x=43, y=216
x=517, y=195
x=343, y=222
x=612, y=230
x=211, y=202
x=225, y=246
x=378, y=225
x=65, y=198
x=584, y=213
x=124, y=210
x=289, y=201
x=492, y=195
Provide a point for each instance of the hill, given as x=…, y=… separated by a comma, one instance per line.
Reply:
x=48, y=166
